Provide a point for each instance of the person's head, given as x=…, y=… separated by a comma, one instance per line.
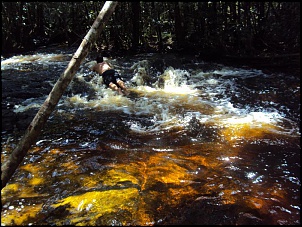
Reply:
x=99, y=59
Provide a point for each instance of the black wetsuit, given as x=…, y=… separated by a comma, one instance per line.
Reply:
x=111, y=75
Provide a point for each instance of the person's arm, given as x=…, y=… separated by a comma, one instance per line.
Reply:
x=93, y=68
x=91, y=65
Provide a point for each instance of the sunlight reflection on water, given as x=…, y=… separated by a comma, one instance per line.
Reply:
x=210, y=143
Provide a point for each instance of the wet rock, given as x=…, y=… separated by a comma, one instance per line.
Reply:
x=141, y=73
x=23, y=119
x=202, y=213
x=8, y=120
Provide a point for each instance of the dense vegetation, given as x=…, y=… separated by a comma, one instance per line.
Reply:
x=202, y=28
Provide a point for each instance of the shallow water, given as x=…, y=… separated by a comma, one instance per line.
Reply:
x=207, y=144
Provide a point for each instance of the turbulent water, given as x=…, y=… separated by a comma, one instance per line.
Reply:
x=194, y=143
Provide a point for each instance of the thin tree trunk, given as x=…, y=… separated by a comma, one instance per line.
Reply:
x=135, y=10
x=179, y=28
x=35, y=127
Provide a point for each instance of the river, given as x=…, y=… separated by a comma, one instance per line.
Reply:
x=194, y=143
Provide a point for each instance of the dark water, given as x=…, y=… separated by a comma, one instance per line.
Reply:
x=194, y=143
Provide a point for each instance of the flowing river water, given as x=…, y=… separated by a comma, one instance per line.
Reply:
x=194, y=143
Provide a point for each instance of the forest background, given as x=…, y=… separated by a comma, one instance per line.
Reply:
x=209, y=30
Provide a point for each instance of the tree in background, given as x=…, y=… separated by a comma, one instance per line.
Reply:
x=218, y=28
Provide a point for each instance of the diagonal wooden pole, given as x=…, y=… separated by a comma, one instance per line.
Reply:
x=35, y=127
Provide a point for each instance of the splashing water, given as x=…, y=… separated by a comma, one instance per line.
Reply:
x=186, y=143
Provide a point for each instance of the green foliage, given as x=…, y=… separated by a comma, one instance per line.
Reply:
x=246, y=28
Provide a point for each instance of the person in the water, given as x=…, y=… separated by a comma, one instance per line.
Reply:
x=111, y=77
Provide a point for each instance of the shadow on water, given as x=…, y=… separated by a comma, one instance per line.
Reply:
x=193, y=143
